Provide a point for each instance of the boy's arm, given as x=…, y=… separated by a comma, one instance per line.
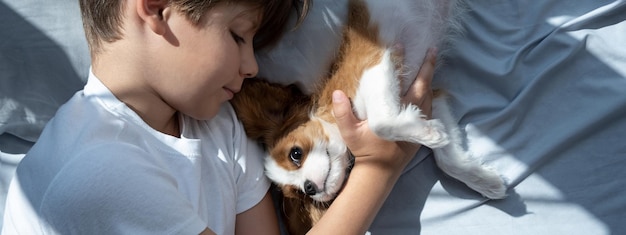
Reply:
x=260, y=219
x=378, y=163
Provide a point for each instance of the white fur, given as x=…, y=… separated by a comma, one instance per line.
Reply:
x=378, y=100
x=456, y=162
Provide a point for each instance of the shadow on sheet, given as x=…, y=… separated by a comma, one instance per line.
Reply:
x=36, y=75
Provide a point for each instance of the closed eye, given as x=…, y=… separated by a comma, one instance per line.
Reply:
x=238, y=39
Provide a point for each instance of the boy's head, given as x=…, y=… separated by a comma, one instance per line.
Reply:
x=103, y=19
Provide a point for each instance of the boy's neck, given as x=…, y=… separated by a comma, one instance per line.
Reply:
x=121, y=71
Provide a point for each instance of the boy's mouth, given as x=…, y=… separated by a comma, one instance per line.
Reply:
x=229, y=92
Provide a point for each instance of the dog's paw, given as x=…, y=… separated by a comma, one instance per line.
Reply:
x=490, y=184
x=434, y=134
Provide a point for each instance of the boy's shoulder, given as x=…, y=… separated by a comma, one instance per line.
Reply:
x=100, y=185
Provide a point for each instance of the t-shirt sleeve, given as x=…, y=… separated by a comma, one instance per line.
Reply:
x=118, y=193
x=252, y=184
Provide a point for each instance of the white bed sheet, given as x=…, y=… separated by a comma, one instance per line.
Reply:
x=539, y=87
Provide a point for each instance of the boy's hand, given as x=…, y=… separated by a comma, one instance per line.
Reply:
x=364, y=144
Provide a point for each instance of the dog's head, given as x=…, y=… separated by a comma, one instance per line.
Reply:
x=307, y=156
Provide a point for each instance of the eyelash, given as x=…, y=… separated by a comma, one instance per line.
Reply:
x=237, y=38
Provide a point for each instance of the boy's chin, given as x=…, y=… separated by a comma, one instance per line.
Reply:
x=207, y=113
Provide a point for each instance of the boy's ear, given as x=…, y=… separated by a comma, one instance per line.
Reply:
x=153, y=13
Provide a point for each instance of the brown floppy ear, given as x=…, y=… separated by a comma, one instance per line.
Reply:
x=264, y=109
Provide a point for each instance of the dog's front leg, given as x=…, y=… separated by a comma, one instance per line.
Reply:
x=378, y=100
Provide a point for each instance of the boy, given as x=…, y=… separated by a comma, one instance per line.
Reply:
x=151, y=145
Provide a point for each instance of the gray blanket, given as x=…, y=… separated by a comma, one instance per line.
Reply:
x=538, y=87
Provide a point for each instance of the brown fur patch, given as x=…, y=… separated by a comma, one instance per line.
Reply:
x=360, y=50
x=303, y=137
x=269, y=111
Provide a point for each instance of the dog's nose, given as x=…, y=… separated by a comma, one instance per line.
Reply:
x=310, y=188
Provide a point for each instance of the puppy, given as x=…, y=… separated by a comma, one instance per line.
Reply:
x=307, y=157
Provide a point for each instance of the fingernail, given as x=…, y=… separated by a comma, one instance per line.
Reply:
x=337, y=96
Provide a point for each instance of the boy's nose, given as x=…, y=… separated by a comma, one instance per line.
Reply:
x=249, y=66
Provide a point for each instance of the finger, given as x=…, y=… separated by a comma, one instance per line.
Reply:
x=342, y=111
x=422, y=82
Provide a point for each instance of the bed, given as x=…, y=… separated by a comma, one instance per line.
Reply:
x=538, y=87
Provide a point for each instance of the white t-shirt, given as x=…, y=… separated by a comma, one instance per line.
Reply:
x=98, y=168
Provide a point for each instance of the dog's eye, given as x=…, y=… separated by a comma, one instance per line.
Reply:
x=296, y=155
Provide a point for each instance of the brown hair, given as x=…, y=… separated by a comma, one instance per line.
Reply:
x=102, y=19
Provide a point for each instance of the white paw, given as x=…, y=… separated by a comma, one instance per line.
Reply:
x=434, y=134
x=490, y=184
